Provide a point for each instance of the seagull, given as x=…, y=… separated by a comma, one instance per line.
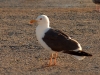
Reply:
x=97, y=2
x=56, y=41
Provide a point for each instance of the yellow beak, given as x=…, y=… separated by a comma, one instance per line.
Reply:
x=33, y=21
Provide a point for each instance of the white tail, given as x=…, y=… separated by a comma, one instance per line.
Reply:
x=79, y=57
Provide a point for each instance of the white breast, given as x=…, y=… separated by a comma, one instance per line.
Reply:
x=40, y=32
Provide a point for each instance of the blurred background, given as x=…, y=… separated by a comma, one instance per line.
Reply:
x=46, y=3
x=20, y=52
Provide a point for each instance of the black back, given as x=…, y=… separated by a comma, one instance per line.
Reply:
x=96, y=1
x=58, y=41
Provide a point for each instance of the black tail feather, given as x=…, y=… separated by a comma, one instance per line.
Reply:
x=78, y=53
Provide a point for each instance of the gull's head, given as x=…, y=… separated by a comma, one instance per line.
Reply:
x=41, y=20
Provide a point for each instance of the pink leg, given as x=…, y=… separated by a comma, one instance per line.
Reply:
x=53, y=55
x=55, y=58
x=50, y=61
x=97, y=7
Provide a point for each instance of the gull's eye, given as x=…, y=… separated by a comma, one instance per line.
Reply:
x=40, y=18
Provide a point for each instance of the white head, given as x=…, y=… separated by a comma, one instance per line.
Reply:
x=41, y=20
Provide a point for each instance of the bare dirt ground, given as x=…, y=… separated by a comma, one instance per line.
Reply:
x=20, y=53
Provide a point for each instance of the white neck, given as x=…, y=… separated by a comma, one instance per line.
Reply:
x=40, y=30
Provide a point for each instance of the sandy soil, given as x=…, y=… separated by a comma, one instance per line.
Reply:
x=20, y=53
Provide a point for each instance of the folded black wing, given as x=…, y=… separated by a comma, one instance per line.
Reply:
x=58, y=41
